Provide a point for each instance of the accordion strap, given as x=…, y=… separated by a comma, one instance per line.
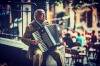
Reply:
x=36, y=26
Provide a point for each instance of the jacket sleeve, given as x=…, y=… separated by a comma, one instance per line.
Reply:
x=27, y=36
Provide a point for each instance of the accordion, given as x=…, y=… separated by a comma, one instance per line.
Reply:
x=48, y=37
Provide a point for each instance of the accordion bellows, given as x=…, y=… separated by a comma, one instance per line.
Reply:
x=48, y=36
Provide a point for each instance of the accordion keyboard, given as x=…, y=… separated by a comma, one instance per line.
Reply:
x=41, y=43
x=48, y=37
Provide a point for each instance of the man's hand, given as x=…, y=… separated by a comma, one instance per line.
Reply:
x=35, y=42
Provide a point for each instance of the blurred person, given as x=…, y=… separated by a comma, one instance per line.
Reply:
x=74, y=35
x=65, y=31
x=69, y=31
x=68, y=40
x=34, y=53
x=79, y=39
x=60, y=25
x=83, y=36
x=93, y=40
x=93, y=37
x=5, y=17
x=83, y=40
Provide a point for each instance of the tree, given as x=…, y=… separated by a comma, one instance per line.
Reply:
x=54, y=1
x=60, y=15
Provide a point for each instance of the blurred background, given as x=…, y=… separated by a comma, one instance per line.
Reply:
x=73, y=16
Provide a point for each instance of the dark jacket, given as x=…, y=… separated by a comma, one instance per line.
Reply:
x=33, y=26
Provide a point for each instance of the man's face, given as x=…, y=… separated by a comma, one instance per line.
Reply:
x=40, y=16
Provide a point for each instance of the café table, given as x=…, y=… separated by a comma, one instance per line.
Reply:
x=79, y=48
x=81, y=52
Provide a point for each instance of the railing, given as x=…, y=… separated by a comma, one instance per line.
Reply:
x=14, y=17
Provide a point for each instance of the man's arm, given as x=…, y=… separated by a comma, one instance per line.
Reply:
x=27, y=37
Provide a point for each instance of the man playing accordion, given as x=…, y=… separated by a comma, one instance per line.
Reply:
x=34, y=53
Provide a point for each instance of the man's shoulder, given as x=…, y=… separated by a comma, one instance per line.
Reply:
x=33, y=22
x=30, y=26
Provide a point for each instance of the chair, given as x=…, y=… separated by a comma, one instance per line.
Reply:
x=91, y=49
x=76, y=56
x=97, y=50
x=67, y=54
x=77, y=44
x=87, y=51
